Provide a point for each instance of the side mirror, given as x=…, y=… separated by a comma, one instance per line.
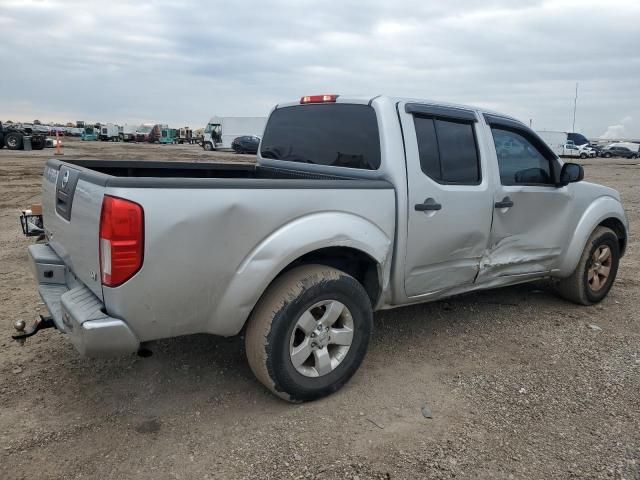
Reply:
x=570, y=173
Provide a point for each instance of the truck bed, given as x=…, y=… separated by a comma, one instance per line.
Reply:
x=146, y=174
x=213, y=233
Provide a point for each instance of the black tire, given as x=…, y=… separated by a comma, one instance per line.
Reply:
x=273, y=322
x=583, y=155
x=208, y=146
x=607, y=155
x=576, y=288
x=37, y=143
x=13, y=140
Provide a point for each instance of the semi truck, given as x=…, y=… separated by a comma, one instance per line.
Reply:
x=185, y=135
x=13, y=137
x=221, y=131
x=90, y=134
x=162, y=134
x=128, y=133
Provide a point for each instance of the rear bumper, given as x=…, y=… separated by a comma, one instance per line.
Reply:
x=76, y=311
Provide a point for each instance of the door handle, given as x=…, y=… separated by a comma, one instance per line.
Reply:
x=429, y=205
x=506, y=202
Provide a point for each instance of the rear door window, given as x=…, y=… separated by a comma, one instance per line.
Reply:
x=448, y=151
x=339, y=135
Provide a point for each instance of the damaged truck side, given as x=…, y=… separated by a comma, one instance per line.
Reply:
x=355, y=205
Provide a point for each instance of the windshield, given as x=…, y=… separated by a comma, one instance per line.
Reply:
x=340, y=135
x=211, y=126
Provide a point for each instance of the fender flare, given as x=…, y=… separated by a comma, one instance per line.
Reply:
x=600, y=210
x=283, y=246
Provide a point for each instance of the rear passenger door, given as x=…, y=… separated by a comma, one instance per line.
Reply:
x=450, y=199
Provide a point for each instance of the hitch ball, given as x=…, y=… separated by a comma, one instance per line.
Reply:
x=20, y=325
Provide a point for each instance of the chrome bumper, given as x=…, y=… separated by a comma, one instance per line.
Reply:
x=76, y=311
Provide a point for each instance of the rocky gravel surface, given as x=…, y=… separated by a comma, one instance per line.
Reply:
x=518, y=383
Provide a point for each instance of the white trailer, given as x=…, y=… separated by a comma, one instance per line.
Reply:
x=109, y=132
x=555, y=140
x=565, y=144
x=221, y=131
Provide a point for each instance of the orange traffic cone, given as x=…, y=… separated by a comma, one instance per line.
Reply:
x=58, y=144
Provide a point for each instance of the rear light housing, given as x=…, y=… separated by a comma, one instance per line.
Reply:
x=121, y=240
x=328, y=98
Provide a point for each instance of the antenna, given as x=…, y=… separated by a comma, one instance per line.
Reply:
x=575, y=104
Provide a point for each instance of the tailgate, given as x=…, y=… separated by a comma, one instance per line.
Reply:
x=71, y=204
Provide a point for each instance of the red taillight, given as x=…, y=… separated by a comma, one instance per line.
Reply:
x=121, y=240
x=319, y=99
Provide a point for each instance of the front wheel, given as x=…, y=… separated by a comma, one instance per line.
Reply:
x=309, y=332
x=208, y=146
x=13, y=140
x=583, y=155
x=596, y=271
x=607, y=155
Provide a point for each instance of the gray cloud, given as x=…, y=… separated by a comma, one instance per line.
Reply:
x=181, y=62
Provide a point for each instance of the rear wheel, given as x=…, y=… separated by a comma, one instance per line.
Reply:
x=13, y=140
x=309, y=332
x=607, y=155
x=596, y=271
x=37, y=143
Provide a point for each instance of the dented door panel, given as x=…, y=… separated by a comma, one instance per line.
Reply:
x=529, y=237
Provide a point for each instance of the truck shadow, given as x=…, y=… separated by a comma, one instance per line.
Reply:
x=206, y=372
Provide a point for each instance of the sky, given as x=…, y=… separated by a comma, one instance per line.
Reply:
x=181, y=62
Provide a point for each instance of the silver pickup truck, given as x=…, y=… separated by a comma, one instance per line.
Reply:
x=355, y=205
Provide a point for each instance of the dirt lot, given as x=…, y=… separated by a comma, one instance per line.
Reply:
x=518, y=383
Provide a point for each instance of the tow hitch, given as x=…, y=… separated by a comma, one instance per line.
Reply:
x=23, y=333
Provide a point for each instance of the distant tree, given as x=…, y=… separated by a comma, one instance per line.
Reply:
x=37, y=122
x=8, y=122
x=70, y=124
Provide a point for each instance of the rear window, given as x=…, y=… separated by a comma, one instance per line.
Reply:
x=339, y=135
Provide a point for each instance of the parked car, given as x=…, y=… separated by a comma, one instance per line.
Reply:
x=614, y=151
x=596, y=148
x=246, y=144
x=586, y=151
x=353, y=207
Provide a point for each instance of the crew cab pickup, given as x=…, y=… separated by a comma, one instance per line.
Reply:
x=356, y=204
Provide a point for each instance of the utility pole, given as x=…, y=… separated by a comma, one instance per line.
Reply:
x=575, y=104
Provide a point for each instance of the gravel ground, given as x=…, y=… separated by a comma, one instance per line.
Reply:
x=519, y=383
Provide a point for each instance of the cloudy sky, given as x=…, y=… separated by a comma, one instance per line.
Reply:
x=180, y=62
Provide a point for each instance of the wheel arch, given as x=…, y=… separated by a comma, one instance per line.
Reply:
x=605, y=211
x=364, y=253
x=356, y=263
x=620, y=230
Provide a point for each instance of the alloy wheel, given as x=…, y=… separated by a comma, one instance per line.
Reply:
x=321, y=338
x=598, y=271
